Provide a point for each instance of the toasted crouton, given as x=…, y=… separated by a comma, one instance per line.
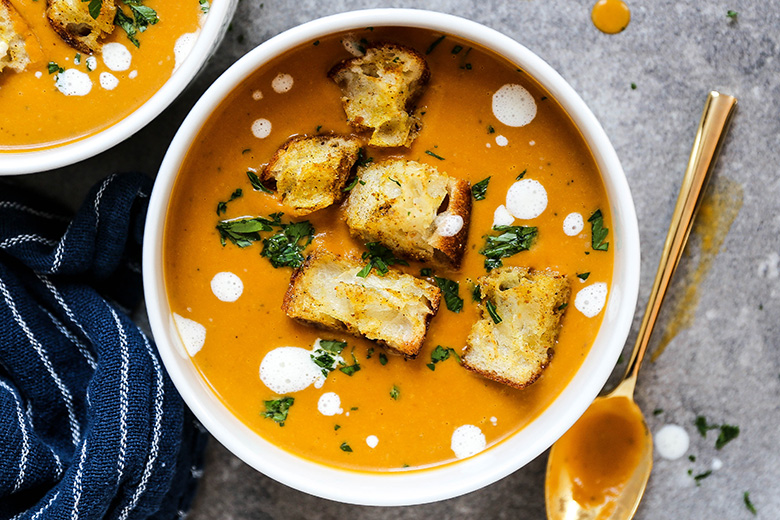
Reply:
x=529, y=305
x=73, y=22
x=18, y=45
x=393, y=309
x=310, y=172
x=379, y=92
x=399, y=203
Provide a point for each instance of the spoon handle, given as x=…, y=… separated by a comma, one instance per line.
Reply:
x=709, y=137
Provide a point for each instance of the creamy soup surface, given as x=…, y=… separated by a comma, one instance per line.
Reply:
x=66, y=95
x=391, y=414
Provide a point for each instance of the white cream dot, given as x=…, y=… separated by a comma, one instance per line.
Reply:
x=531, y=143
x=288, y=369
x=38, y=74
x=226, y=286
x=372, y=441
x=591, y=299
x=448, y=225
x=573, y=224
x=282, y=83
x=501, y=140
x=73, y=82
x=467, y=440
x=716, y=464
x=513, y=105
x=261, y=128
x=329, y=404
x=133, y=74
x=192, y=333
x=91, y=63
x=257, y=95
x=671, y=441
x=487, y=145
x=526, y=199
x=502, y=217
x=116, y=56
x=493, y=421
x=108, y=81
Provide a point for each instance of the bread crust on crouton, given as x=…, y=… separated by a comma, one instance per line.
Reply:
x=72, y=21
x=530, y=305
x=18, y=45
x=399, y=203
x=380, y=90
x=311, y=172
x=394, y=310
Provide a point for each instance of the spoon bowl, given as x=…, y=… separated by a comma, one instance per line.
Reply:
x=599, y=469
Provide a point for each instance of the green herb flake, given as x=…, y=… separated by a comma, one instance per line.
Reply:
x=316, y=42
x=53, y=68
x=583, y=276
x=598, y=232
x=522, y=174
x=351, y=369
x=701, y=476
x=562, y=306
x=440, y=354
x=379, y=258
x=439, y=157
x=277, y=409
x=450, y=290
x=255, y=181
x=491, y=308
x=457, y=49
x=727, y=434
x=395, y=392
x=702, y=426
x=479, y=190
x=426, y=271
x=369, y=353
x=363, y=159
x=394, y=181
x=336, y=426
x=77, y=59
x=204, y=6
x=476, y=293
x=491, y=130
x=143, y=17
x=658, y=411
x=284, y=249
x=345, y=447
x=382, y=358
x=243, y=232
x=748, y=504
x=222, y=206
x=351, y=185
x=633, y=86
x=510, y=241
x=332, y=345
x=435, y=44
x=692, y=458
x=732, y=14
x=95, y=6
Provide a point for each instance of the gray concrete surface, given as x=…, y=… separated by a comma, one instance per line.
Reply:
x=725, y=364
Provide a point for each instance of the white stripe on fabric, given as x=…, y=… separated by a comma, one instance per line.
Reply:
x=124, y=390
x=99, y=196
x=25, y=439
x=157, y=430
x=55, y=266
x=75, y=428
x=74, y=514
x=27, y=209
x=44, y=508
x=21, y=239
x=58, y=297
x=73, y=339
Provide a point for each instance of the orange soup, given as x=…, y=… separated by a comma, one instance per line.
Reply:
x=65, y=95
x=391, y=414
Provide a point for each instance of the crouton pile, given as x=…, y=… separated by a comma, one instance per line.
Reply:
x=18, y=46
x=413, y=211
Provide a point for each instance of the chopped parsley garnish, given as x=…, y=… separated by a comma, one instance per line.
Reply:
x=439, y=157
x=702, y=425
x=255, y=181
x=363, y=158
x=326, y=355
x=748, y=504
x=491, y=308
x=511, y=241
x=142, y=18
x=222, y=206
x=345, y=447
x=52, y=67
x=476, y=293
x=583, y=276
x=316, y=42
x=284, y=248
x=479, y=190
x=450, y=290
x=351, y=185
x=457, y=49
x=351, y=369
x=380, y=258
x=369, y=353
x=441, y=354
x=732, y=14
x=434, y=45
x=94, y=7
x=658, y=411
x=701, y=476
x=395, y=392
x=243, y=232
x=522, y=174
x=491, y=130
x=278, y=409
x=77, y=59
x=467, y=66
x=336, y=426
x=426, y=271
x=727, y=434
x=395, y=181
x=562, y=306
x=204, y=6
x=598, y=232
x=692, y=458
x=633, y=86
x=382, y=358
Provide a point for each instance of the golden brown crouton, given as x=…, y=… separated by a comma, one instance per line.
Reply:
x=393, y=309
x=72, y=21
x=310, y=172
x=399, y=203
x=18, y=45
x=528, y=305
x=379, y=91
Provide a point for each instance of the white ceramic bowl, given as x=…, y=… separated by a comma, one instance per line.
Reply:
x=211, y=34
x=444, y=481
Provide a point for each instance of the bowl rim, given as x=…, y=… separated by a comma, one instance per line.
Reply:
x=57, y=156
x=440, y=482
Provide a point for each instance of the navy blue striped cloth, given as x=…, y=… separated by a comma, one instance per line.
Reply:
x=90, y=424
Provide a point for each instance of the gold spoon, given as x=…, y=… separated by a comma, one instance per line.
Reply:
x=599, y=469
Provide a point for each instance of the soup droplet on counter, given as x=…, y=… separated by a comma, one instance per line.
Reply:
x=192, y=333
x=610, y=16
x=672, y=441
x=467, y=440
